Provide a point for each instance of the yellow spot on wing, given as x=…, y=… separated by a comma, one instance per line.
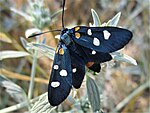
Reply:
x=61, y=51
x=77, y=35
x=76, y=28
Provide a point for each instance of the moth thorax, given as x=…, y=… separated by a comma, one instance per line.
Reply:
x=66, y=39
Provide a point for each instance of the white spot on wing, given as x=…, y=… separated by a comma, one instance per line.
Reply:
x=96, y=42
x=74, y=70
x=63, y=72
x=56, y=67
x=106, y=34
x=55, y=84
x=89, y=32
x=93, y=52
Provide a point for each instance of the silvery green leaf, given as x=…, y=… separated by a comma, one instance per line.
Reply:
x=12, y=54
x=123, y=57
x=93, y=94
x=31, y=31
x=114, y=21
x=96, y=19
x=104, y=24
x=15, y=91
x=44, y=49
x=40, y=14
x=26, y=16
x=42, y=105
x=25, y=44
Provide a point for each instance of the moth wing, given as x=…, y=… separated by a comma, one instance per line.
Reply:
x=101, y=39
x=90, y=55
x=94, y=66
x=78, y=69
x=60, y=82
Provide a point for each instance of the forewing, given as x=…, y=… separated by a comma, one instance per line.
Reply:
x=61, y=76
x=101, y=39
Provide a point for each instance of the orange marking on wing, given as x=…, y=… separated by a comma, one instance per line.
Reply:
x=61, y=51
x=77, y=35
x=89, y=64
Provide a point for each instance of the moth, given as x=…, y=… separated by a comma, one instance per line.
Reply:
x=79, y=47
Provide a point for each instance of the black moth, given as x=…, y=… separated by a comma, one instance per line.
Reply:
x=78, y=47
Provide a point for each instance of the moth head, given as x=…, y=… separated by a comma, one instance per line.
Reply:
x=66, y=38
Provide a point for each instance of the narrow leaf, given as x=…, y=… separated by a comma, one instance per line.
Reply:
x=42, y=105
x=5, y=38
x=31, y=32
x=12, y=54
x=26, y=45
x=93, y=94
x=114, y=21
x=26, y=16
x=123, y=57
x=43, y=49
x=96, y=19
x=24, y=42
x=15, y=91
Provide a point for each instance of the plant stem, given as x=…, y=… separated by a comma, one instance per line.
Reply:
x=30, y=91
x=34, y=63
x=13, y=108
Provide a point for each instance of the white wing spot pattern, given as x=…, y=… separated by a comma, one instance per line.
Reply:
x=56, y=67
x=106, y=34
x=96, y=42
x=89, y=32
x=63, y=72
x=74, y=70
x=93, y=52
x=55, y=84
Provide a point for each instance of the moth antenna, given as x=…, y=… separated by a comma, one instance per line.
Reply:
x=63, y=5
x=43, y=33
